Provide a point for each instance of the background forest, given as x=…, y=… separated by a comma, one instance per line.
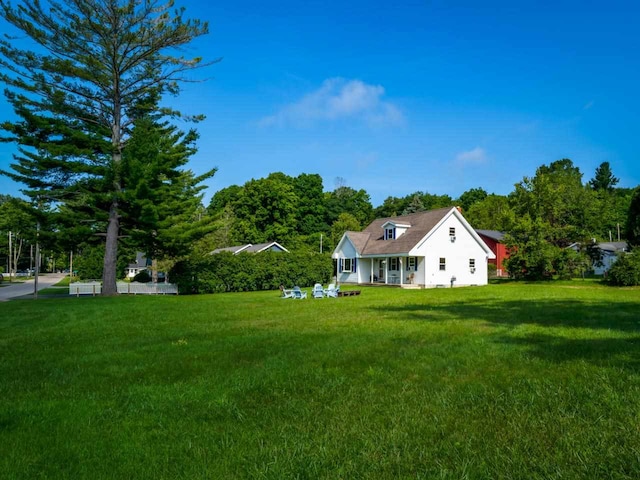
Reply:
x=543, y=215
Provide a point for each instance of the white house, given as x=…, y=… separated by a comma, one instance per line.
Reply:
x=141, y=264
x=608, y=252
x=425, y=249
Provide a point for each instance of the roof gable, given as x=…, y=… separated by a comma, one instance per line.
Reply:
x=371, y=241
x=421, y=224
x=261, y=247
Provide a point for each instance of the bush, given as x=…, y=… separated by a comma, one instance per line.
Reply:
x=142, y=277
x=625, y=272
x=225, y=272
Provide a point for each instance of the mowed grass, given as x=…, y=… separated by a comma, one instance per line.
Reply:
x=506, y=381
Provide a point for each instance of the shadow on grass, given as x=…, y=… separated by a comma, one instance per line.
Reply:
x=621, y=316
x=617, y=352
x=602, y=349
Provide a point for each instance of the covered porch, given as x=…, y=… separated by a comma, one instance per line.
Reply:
x=393, y=270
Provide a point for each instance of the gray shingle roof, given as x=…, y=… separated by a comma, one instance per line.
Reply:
x=493, y=234
x=371, y=240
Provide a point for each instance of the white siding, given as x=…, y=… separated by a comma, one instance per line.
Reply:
x=456, y=255
x=347, y=250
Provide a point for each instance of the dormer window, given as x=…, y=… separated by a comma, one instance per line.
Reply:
x=389, y=233
x=393, y=230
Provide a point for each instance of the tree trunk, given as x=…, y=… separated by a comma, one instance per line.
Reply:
x=154, y=270
x=109, y=286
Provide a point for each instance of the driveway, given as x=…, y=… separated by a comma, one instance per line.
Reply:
x=13, y=290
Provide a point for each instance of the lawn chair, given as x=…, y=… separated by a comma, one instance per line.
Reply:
x=318, y=291
x=332, y=291
x=297, y=293
x=286, y=293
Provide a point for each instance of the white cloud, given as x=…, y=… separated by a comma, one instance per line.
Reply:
x=477, y=155
x=337, y=99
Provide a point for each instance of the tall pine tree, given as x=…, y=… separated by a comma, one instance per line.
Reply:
x=94, y=68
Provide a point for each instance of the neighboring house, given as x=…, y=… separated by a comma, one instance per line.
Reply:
x=609, y=252
x=494, y=240
x=425, y=249
x=261, y=247
x=140, y=265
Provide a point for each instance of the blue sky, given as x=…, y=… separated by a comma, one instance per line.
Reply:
x=395, y=97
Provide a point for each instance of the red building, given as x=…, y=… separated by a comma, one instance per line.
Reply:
x=494, y=239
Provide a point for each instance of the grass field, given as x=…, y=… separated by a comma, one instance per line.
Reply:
x=531, y=381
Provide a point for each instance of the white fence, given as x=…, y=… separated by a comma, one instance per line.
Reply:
x=133, y=288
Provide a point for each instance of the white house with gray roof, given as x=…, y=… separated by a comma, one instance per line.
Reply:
x=425, y=249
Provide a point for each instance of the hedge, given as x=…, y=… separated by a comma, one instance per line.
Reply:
x=225, y=272
x=625, y=272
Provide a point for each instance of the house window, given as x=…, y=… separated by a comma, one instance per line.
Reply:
x=348, y=265
x=452, y=231
x=443, y=264
x=412, y=263
x=472, y=265
x=393, y=263
x=389, y=233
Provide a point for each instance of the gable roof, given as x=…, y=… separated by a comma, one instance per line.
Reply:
x=492, y=234
x=260, y=247
x=606, y=247
x=613, y=246
x=234, y=250
x=371, y=242
x=141, y=261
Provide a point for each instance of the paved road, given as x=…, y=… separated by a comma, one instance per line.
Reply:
x=12, y=290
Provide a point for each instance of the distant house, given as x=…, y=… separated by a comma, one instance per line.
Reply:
x=425, y=249
x=494, y=240
x=608, y=252
x=141, y=264
x=261, y=247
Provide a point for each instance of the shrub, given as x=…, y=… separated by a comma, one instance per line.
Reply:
x=625, y=272
x=225, y=272
x=142, y=277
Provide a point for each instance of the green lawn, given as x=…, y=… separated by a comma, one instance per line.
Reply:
x=506, y=381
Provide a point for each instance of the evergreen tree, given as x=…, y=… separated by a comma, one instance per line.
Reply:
x=161, y=201
x=100, y=65
x=603, y=179
x=414, y=206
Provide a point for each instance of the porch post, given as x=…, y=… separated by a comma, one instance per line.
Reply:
x=371, y=270
x=401, y=271
x=386, y=270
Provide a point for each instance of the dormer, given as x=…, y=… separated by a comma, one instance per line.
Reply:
x=393, y=230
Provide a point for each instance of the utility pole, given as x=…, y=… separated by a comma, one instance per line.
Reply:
x=37, y=269
x=10, y=258
x=320, y=243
